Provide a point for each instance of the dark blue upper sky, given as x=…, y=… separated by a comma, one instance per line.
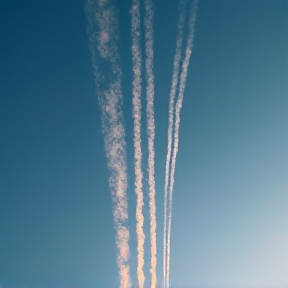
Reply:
x=230, y=212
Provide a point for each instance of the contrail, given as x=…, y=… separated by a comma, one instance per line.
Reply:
x=148, y=23
x=178, y=107
x=136, y=57
x=102, y=32
x=176, y=68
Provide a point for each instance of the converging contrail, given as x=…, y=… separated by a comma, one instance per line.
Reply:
x=178, y=107
x=102, y=26
x=148, y=23
x=102, y=32
x=176, y=68
x=136, y=102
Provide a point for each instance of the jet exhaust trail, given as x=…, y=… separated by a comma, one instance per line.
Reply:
x=102, y=26
x=148, y=23
x=176, y=68
x=183, y=76
x=102, y=32
x=136, y=102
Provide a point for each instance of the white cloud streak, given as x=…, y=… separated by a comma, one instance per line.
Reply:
x=136, y=103
x=148, y=23
x=183, y=77
x=176, y=69
x=102, y=32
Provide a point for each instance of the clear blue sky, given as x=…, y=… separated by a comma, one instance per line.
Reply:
x=229, y=228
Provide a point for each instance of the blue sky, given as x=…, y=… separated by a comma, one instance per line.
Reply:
x=229, y=226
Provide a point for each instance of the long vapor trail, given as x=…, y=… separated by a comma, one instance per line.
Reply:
x=136, y=102
x=176, y=68
x=148, y=23
x=102, y=32
x=178, y=107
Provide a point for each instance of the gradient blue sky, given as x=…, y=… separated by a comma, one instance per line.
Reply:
x=230, y=213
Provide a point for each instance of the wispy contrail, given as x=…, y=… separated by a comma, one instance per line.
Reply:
x=102, y=32
x=176, y=68
x=136, y=57
x=178, y=107
x=148, y=23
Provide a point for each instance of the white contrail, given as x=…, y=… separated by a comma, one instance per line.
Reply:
x=136, y=57
x=178, y=107
x=176, y=68
x=102, y=31
x=148, y=24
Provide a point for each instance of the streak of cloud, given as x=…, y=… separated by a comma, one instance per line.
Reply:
x=136, y=103
x=183, y=77
x=176, y=68
x=102, y=32
x=148, y=23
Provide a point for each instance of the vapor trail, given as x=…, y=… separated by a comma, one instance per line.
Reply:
x=136, y=57
x=178, y=107
x=102, y=32
x=148, y=23
x=176, y=68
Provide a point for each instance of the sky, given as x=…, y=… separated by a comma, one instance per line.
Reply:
x=229, y=225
